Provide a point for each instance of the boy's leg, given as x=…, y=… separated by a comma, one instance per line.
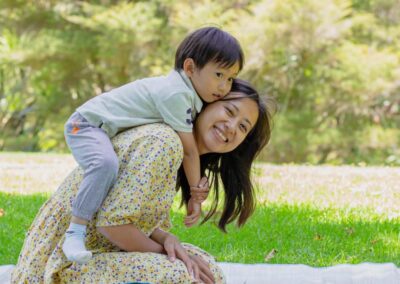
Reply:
x=94, y=152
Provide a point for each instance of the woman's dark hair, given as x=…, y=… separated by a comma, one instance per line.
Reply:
x=233, y=168
x=209, y=44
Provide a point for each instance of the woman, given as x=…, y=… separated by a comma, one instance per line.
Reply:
x=128, y=237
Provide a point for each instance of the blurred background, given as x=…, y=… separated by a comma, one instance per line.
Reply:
x=332, y=66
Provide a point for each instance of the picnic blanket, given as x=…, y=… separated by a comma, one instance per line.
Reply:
x=364, y=273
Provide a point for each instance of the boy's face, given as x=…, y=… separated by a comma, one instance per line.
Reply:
x=212, y=82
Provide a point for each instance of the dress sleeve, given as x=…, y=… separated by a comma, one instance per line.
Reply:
x=149, y=157
x=166, y=225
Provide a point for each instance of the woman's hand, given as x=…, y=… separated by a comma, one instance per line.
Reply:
x=197, y=268
x=199, y=193
x=202, y=271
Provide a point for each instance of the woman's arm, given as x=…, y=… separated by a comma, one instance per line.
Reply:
x=159, y=236
x=128, y=238
x=195, y=264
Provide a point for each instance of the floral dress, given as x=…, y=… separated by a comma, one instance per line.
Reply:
x=149, y=158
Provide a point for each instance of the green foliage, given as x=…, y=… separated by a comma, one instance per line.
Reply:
x=332, y=69
x=331, y=65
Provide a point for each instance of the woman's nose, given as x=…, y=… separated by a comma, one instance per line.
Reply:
x=230, y=127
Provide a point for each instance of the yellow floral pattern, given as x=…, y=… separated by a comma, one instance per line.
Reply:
x=149, y=158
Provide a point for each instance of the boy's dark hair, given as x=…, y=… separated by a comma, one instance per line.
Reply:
x=209, y=44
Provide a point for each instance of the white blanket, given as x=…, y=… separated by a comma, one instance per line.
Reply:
x=5, y=273
x=364, y=273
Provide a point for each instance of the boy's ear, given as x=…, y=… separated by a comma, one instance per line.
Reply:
x=189, y=66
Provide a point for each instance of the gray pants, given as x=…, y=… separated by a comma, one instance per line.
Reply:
x=92, y=149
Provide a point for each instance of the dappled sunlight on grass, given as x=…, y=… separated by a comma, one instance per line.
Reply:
x=375, y=188
x=28, y=173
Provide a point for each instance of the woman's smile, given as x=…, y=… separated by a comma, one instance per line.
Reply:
x=220, y=135
x=224, y=124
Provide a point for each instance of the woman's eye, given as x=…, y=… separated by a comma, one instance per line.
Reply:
x=229, y=111
x=244, y=128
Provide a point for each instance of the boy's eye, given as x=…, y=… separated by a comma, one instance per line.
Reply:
x=219, y=74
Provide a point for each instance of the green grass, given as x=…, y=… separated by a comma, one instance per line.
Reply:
x=299, y=234
x=18, y=212
x=318, y=216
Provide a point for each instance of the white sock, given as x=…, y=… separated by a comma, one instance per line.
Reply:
x=74, y=244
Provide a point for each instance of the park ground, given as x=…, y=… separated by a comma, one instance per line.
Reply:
x=315, y=215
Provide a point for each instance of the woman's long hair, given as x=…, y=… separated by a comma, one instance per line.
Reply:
x=233, y=168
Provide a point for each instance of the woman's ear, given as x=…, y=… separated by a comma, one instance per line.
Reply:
x=189, y=66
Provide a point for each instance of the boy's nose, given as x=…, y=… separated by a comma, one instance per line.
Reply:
x=223, y=87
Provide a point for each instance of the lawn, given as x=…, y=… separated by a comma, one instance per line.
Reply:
x=315, y=215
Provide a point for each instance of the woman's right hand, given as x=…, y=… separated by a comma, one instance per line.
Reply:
x=200, y=192
x=197, y=268
x=193, y=213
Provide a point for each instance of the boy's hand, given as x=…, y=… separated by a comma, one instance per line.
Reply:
x=198, y=195
x=193, y=214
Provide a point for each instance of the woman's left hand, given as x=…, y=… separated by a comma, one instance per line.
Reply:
x=174, y=250
x=196, y=266
x=202, y=270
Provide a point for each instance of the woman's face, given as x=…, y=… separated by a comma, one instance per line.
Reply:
x=224, y=124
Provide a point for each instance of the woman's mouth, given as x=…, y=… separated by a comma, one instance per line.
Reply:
x=221, y=135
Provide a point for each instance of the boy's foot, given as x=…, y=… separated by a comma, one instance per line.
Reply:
x=74, y=244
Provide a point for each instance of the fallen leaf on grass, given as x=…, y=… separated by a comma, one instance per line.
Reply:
x=350, y=231
x=317, y=237
x=1, y=212
x=270, y=255
x=374, y=241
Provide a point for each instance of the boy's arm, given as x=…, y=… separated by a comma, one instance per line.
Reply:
x=191, y=159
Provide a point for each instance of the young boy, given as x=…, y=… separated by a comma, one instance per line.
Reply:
x=205, y=64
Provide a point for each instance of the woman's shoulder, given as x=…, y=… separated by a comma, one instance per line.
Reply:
x=159, y=133
x=156, y=142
